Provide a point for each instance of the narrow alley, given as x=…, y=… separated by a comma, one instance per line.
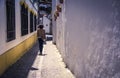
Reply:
x=33, y=65
x=84, y=42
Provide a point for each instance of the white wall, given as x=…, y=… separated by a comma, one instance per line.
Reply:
x=54, y=22
x=46, y=23
x=4, y=46
x=88, y=37
x=2, y=25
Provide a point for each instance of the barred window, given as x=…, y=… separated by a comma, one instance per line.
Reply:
x=24, y=20
x=31, y=22
x=10, y=13
x=35, y=22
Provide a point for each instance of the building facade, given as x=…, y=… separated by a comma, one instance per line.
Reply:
x=18, y=30
x=46, y=23
x=87, y=33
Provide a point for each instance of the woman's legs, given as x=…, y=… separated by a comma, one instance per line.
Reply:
x=40, y=45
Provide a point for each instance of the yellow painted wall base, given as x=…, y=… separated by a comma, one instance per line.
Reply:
x=12, y=55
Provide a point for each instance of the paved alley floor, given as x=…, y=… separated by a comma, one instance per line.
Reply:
x=33, y=65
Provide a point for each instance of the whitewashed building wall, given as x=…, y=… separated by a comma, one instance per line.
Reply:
x=46, y=23
x=88, y=37
x=4, y=45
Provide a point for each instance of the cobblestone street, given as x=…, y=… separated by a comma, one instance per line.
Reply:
x=33, y=65
x=53, y=66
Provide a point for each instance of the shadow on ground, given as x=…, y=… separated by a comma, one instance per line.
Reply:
x=22, y=67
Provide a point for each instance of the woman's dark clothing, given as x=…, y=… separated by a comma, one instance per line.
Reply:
x=40, y=44
x=41, y=37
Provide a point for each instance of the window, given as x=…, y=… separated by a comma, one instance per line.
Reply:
x=35, y=22
x=10, y=13
x=31, y=22
x=24, y=20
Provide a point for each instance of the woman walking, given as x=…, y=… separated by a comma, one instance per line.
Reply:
x=41, y=37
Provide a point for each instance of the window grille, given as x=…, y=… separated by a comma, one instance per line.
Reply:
x=35, y=22
x=31, y=22
x=24, y=20
x=10, y=13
